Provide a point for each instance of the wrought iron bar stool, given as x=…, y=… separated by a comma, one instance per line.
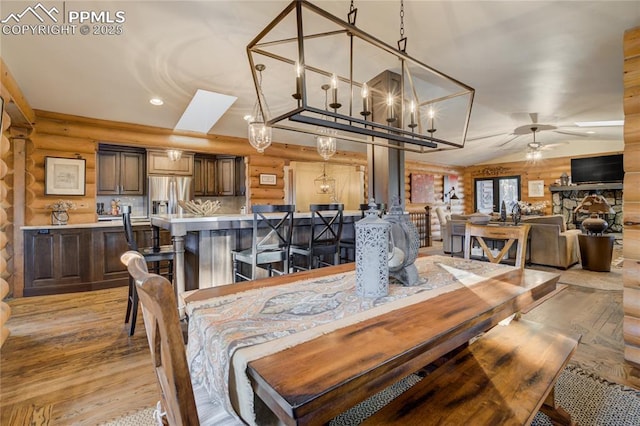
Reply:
x=324, y=240
x=271, y=240
x=160, y=258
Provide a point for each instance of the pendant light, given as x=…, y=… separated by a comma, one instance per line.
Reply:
x=259, y=132
x=326, y=138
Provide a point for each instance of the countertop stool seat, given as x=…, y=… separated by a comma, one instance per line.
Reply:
x=159, y=258
x=271, y=241
x=323, y=246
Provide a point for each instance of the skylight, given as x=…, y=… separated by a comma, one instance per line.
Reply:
x=204, y=110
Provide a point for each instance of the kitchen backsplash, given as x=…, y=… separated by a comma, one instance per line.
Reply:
x=138, y=204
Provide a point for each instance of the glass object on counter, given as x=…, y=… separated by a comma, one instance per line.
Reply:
x=59, y=217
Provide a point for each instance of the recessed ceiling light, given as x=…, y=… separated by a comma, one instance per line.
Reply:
x=609, y=123
x=204, y=110
x=156, y=101
x=591, y=132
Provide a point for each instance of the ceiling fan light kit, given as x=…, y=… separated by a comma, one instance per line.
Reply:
x=306, y=48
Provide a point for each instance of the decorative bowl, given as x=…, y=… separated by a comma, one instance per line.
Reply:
x=479, y=218
x=199, y=207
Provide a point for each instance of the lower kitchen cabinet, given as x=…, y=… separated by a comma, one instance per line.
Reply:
x=66, y=260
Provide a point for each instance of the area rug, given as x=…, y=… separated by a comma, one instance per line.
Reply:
x=591, y=401
x=597, y=280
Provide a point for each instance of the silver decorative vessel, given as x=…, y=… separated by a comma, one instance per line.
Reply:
x=405, y=242
x=372, y=248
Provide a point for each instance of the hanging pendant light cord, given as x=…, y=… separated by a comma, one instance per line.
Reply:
x=402, y=43
x=401, y=19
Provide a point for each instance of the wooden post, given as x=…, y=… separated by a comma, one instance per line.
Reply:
x=631, y=236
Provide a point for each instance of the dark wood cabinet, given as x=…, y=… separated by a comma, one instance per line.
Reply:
x=218, y=176
x=240, y=171
x=226, y=175
x=55, y=259
x=78, y=259
x=204, y=176
x=120, y=172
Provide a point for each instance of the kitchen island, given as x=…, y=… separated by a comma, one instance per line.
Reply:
x=203, y=244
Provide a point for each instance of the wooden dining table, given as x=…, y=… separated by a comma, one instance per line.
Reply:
x=321, y=376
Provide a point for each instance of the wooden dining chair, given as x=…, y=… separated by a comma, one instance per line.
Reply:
x=509, y=234
x=161, y=261
x=271, y=241
x=160, y=313
x=324, y=238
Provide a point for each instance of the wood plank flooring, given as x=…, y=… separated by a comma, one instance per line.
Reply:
x=69, y=359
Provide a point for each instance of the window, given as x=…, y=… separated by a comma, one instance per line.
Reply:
x=491, y=192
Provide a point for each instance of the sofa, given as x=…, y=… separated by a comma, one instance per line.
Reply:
x=551, y=244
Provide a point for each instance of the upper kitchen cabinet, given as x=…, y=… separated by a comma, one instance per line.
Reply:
x=226, y=167
x=204, y=176
x=158, y=163
x=120, y=171
x=241, y=185
x=218, y=176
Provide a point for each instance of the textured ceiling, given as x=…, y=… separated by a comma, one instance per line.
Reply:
x=561, y=60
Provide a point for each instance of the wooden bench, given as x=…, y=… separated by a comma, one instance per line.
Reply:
x=503, y=378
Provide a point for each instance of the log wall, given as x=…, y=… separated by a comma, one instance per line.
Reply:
x=6, y=225
x=631, y=235
x=17, y=119
x=438, y=172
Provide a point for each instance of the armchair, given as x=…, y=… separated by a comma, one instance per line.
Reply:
x=445, y=230
x=551, y=243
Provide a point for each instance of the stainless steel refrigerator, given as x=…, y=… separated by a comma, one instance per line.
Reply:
x=165, y=191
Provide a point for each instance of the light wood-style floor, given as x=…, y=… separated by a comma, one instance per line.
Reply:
x=69, y=359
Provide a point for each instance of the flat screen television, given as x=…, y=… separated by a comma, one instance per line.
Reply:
x=602, y=169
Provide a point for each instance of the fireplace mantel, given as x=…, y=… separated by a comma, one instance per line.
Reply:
x=586, y=187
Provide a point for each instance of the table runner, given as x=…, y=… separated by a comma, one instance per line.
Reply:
x=272, y=319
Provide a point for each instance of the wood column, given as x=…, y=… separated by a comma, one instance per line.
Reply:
x=631, y=236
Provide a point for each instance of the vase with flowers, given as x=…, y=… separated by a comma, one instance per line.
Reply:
x=60, y=211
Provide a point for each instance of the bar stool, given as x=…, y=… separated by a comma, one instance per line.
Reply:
x=324, y=240
x=348, y=244
x=270, y=250
x=161, y=261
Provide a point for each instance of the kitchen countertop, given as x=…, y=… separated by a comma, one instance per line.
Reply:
x=114, y=223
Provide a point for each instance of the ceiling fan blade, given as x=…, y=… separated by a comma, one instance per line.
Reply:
x=568, y=132
x=487, y=136
x=509, y=140
x=534, y=117
x=548, y=146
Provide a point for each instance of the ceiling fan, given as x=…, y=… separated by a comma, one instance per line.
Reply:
x=535, y=148
x=526, y=129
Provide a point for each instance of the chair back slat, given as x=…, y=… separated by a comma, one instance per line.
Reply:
x=162, y=324
x=509, y=234
x=326, y=224
x=128, y=230
x=280, y=232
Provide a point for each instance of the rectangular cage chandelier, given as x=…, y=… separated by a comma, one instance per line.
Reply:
x=321, y=72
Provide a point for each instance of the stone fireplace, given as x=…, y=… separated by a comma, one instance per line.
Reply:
x=566, y=198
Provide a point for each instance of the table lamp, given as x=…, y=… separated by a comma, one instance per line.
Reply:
x=449, y=196
x=594, y=205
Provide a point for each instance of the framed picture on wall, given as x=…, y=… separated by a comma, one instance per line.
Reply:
x=536, y=188
x=422, y=188
x=64, y=176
